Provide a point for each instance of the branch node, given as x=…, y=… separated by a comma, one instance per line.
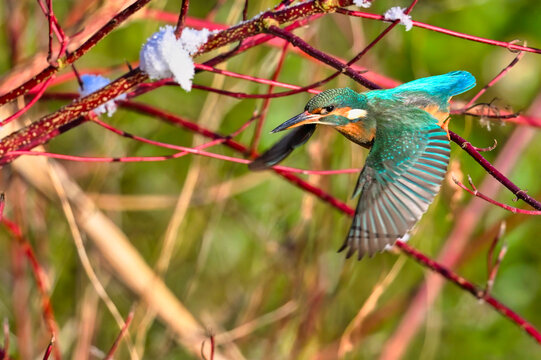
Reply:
x=514, y=42
x=327, y=5
x=517, y=194
x=268, y=21
x=475, y=191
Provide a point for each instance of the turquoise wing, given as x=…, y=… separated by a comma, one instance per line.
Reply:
x=401, y=177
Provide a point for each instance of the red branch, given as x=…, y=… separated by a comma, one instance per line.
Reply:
x=494, y=81
x=71, y=115
x=123, y=331
x=71, y=57
x=476, y=291
x=39, y=275
x=49, y=348
x=478, y=194
x=182, y=18
x=266, y=102
x=507, y=45
x=495, y=173
x=323, y=57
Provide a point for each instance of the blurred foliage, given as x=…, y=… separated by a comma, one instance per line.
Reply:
x=250, y=243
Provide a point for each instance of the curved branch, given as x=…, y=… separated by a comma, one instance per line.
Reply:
x=496, y=174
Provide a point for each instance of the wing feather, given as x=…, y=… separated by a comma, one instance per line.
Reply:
x=395, y=194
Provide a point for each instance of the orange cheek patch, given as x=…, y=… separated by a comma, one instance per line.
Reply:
x=358, y=132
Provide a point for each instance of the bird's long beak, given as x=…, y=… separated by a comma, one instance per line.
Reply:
x=302, y=119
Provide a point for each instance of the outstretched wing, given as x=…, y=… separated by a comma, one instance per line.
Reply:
x=402, y=175
x=279, y=151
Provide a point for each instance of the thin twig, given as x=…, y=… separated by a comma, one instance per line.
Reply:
x=124, y=329
x=493, y=266
x=71, y=57
x=182, y=18
x=508, y=45
x=478, y=194
x=212, y=346
x=266, y=102
x=494, y=80
x=321, y=56
x=39, y=276
x=495, y=173
x=36, y=97
x=49, y=348
x=2, y=205
x=476, y=291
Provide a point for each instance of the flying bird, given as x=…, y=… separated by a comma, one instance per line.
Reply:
x=406, y=130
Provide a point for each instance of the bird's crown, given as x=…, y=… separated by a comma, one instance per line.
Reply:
x=329, y=100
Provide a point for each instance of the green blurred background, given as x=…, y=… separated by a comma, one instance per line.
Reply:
x=250, y=243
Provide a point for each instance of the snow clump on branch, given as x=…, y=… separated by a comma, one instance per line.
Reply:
x=397, y=13
x=164, y=56
x=92, y=83
x=363, y=3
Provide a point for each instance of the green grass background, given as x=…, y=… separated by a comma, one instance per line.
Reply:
x=266, y=241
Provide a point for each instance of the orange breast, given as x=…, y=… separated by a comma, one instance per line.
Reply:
x=357, y=133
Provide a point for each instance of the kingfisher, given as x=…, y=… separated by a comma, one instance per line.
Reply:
x=406, y=130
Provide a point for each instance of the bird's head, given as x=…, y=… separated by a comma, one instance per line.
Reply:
x=334, y=107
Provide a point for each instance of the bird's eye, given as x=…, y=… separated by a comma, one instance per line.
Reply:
x=327, y=109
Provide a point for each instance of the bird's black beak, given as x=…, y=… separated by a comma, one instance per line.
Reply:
x=304, y=118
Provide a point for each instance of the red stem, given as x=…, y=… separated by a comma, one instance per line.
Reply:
x=321, y=56
x=519, y=193
x=49, y=349
x=494, y=202
x=495, y=80
x=71, y=57
x=469, y=287
x=39, y=276
x=2, y=205
x=266, y=102
x=123, y=331
x=508, y=45
x=36, y=97
x=182, y=18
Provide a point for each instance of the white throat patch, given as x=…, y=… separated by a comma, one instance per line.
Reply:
x=355, y=113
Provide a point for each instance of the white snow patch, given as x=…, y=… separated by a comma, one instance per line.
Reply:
x=363, y=3
x=397, y=13
x=164, y=56
x=92, y=83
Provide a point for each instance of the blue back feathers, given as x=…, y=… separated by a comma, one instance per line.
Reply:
x=445, y=85
x=439, y=88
